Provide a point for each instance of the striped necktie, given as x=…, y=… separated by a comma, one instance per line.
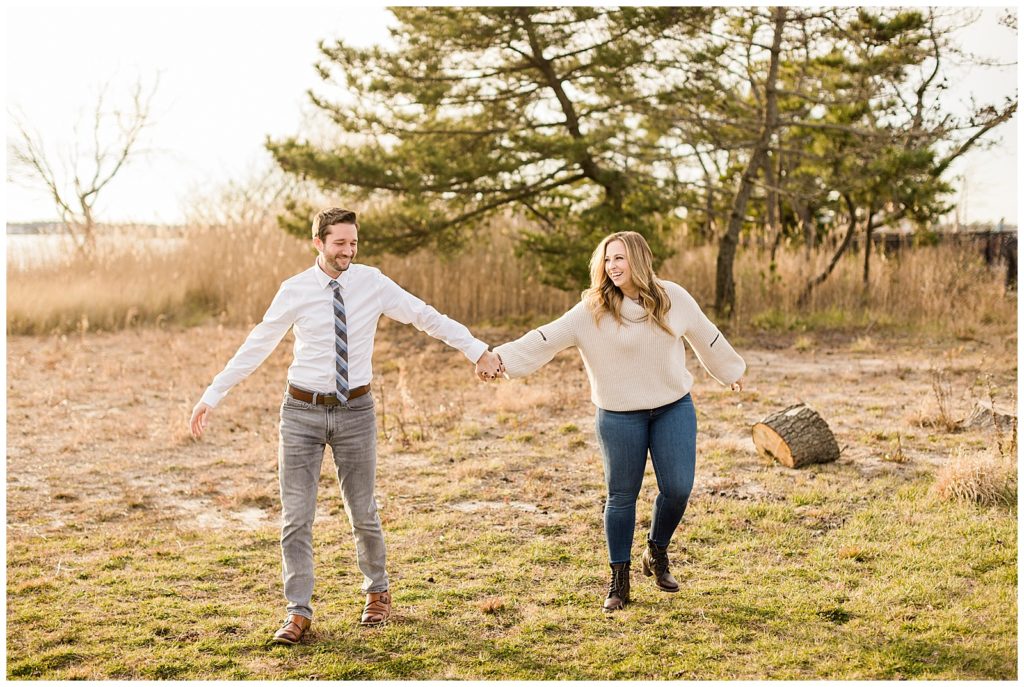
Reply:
x=340, y=342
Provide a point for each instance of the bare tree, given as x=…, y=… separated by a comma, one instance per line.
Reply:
x=75, y=179
x=253, y=200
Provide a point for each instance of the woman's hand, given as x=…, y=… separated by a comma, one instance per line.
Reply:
x=489, y=366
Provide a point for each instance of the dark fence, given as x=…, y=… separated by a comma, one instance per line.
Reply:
x=996, y=247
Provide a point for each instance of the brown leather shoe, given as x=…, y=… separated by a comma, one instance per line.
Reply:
x=292, y=630
x=655, y=562
x=377, y=609
x=618, y=588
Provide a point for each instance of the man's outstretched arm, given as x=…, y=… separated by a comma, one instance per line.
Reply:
x=402, y=306
x=260, y=343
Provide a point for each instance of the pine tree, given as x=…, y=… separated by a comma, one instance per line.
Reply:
x=478, y=110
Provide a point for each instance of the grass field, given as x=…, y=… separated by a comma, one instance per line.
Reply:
x=135, y=552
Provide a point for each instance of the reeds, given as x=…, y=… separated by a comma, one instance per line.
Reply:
x=945, y=289
x=231, y=272
x=226, y=273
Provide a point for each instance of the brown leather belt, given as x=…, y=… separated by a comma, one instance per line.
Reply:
x=325, y=399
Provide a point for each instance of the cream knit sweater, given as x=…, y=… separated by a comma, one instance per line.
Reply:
x=635, y=365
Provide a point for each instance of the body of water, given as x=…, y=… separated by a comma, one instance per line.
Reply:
x=35, y=250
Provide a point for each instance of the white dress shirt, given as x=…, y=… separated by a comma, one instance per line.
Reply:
x=306, y=302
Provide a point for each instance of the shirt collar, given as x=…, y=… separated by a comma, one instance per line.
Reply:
x=324, y=279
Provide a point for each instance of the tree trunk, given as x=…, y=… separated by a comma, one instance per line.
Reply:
x=868, y=231
x=806, y=294
x=795, y=437
x=725, y=286
x=803, y=212
x=771, y=203
x=775, y=249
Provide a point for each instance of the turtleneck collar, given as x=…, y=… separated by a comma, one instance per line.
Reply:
x=632, y=311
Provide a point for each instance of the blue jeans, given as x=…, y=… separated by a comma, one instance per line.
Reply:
x=670, y=433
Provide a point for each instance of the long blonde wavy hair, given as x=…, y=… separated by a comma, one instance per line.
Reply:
x=604, y=297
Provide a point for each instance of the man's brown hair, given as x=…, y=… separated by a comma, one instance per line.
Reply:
x=329, y=217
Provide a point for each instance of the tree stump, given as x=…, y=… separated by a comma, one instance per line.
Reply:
x=984, y=415
x=795, y=437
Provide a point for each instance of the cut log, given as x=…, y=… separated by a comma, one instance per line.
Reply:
x=795, y=437
x=984, y=416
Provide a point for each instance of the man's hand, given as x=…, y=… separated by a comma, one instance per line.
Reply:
x=489, y=366
x=200, y=416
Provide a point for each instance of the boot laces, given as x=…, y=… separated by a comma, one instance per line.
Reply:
x=617, y=585
x=659, y=558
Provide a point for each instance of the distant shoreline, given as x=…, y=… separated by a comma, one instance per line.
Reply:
x=52, y=228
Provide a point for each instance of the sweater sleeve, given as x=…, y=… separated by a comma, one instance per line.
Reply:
x=538, y=346
x=715, y=354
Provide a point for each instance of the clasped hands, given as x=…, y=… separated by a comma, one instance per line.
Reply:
x=489, y=366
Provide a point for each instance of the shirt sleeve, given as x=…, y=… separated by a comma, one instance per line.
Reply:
x=262, y=340
x=402, y=306
x=713, y=352
x=538, y=346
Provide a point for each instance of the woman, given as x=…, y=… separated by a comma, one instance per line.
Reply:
x=629, y=327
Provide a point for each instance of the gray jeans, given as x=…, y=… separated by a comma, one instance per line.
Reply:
x=351, y=430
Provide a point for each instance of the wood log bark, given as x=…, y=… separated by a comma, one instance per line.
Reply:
x=984, y=415
x=795, y=436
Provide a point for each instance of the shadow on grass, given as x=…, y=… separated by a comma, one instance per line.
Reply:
x=911, y=658
x=414, y=648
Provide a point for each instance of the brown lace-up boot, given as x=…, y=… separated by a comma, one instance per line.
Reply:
x=618, y=588
x=655, y=562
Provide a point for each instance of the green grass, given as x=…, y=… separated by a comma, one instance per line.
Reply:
x=929, y=592
x=829, y=319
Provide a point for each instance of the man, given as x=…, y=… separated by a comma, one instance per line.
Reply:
x=334, y=307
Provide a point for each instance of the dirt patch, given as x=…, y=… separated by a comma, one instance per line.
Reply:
x=477, y=506
x=108, y=437
x=732, y=488
x=203, y=514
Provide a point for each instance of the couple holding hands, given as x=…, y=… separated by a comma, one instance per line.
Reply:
x=629, y=327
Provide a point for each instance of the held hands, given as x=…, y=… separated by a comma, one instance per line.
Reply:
x=489, y=366
x=200, y=416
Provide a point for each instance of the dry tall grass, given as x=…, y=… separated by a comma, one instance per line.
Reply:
x=220, y=272
x=982, y=477
x=942, y=288
x=231, y=273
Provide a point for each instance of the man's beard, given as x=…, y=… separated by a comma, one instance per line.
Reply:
x=336, y=264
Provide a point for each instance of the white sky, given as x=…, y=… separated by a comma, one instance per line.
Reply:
x=231, y=76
